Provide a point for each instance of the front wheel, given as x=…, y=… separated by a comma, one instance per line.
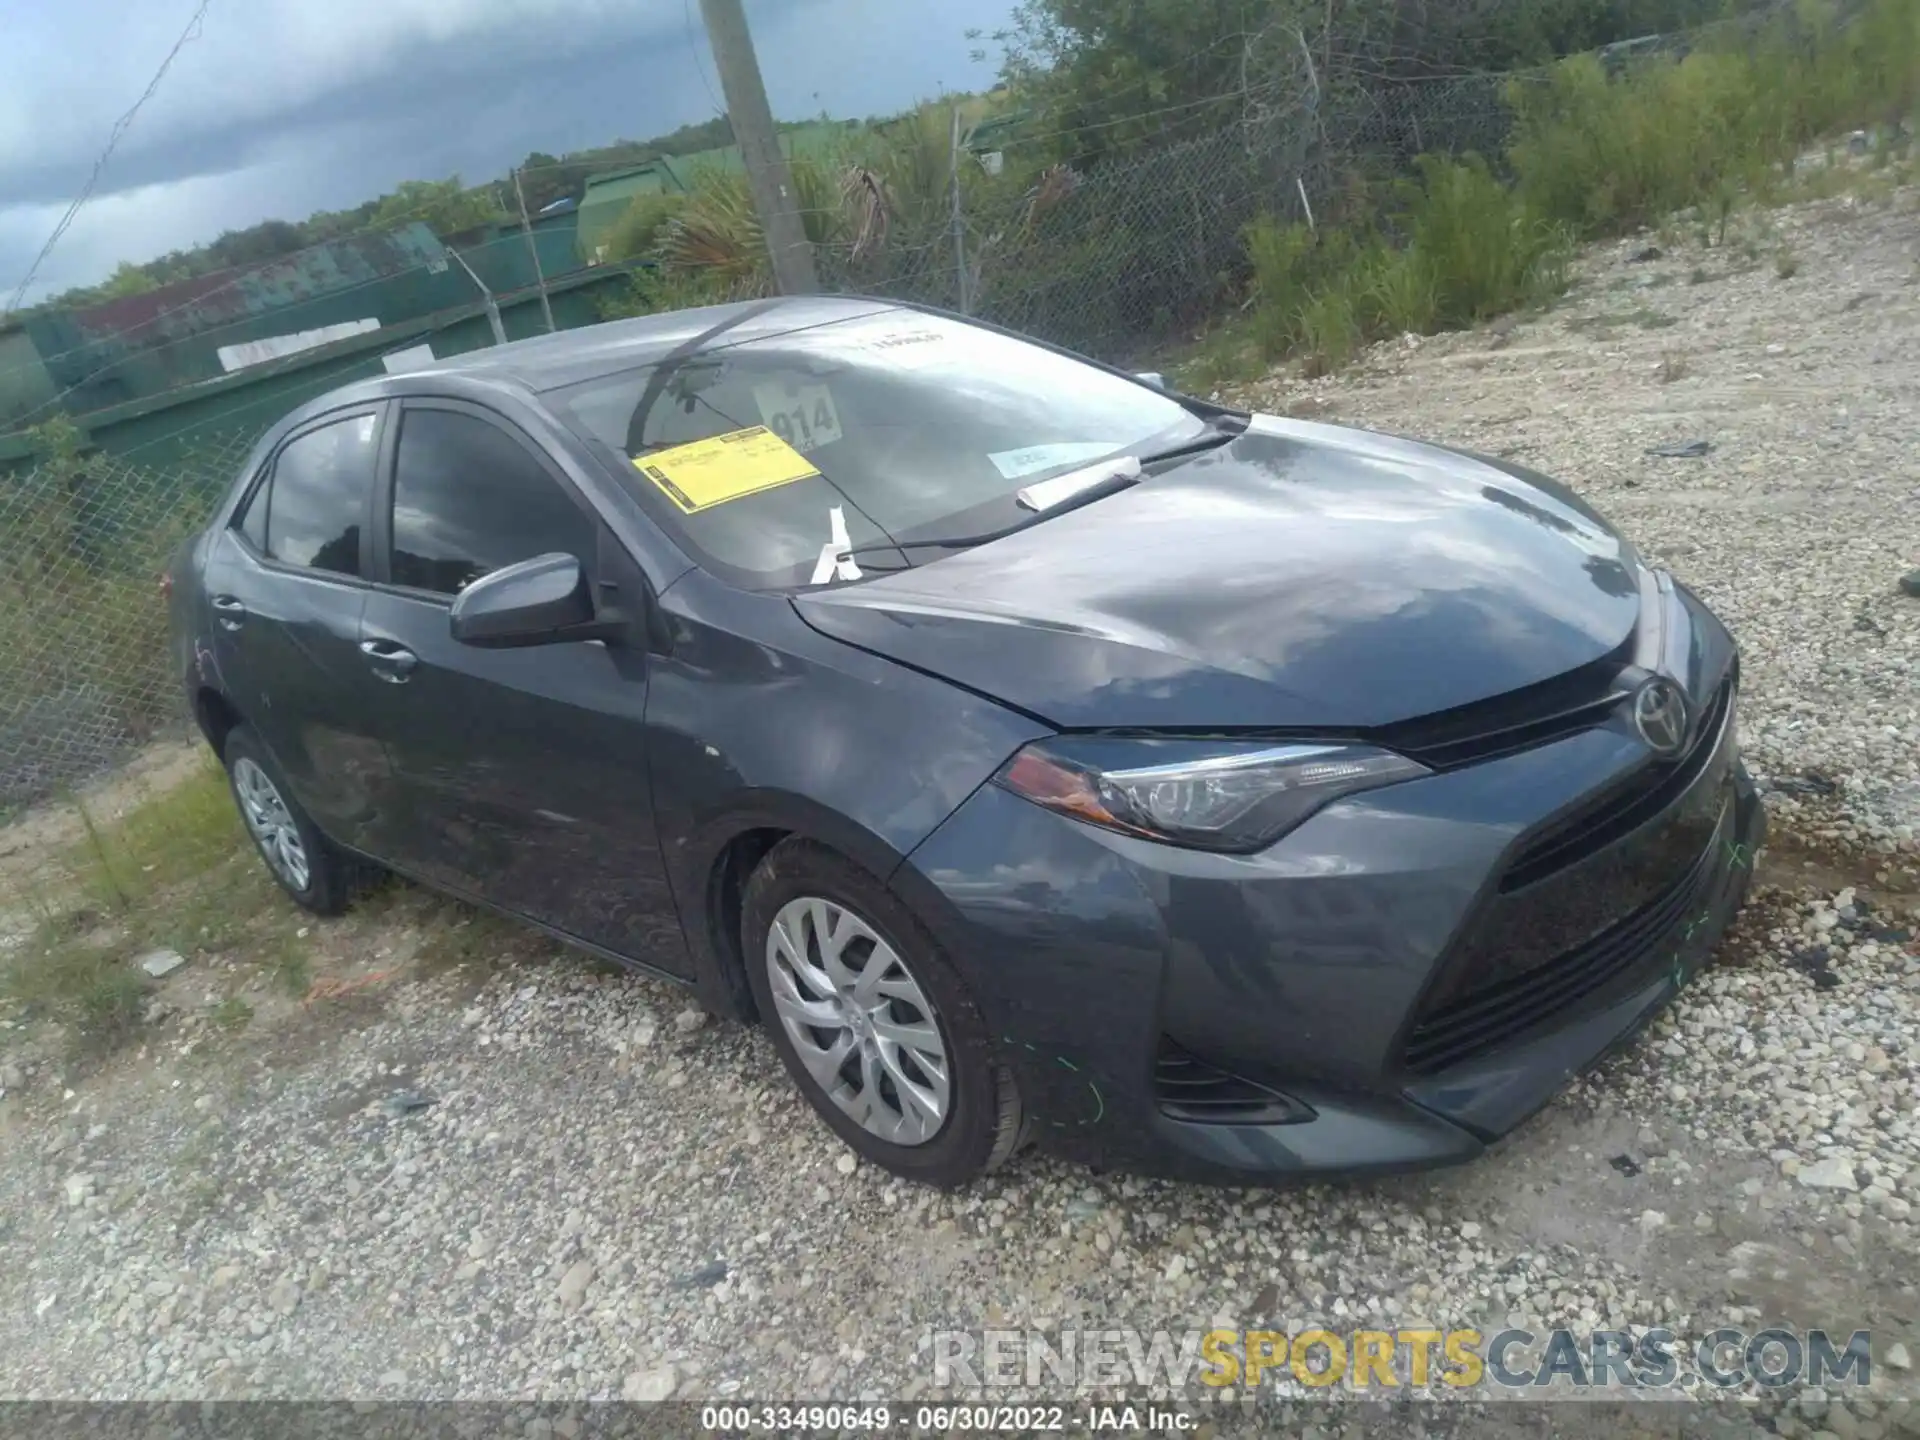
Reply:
x=873, y=1022
x=306, y=866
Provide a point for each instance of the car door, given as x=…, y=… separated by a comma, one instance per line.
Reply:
x=286, y=581
x=519, y=775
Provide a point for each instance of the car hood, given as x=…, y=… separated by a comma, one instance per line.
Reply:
x=1302, y=575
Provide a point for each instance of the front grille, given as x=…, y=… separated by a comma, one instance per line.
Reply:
x=1521, y=720
x=1491, y=1014
x=1623, y=809
x=1190, y=1089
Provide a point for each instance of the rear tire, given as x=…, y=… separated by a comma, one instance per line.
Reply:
x=872, y=1020
x=302, y=861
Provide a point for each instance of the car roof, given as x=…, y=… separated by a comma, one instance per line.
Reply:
x=567, y=357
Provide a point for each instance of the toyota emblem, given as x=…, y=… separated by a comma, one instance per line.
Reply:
x=1660, y=715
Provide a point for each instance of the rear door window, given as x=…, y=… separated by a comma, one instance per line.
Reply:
x=317, y=497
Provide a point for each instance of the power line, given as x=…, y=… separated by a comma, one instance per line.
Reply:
x=693, y=44
x=120, y=127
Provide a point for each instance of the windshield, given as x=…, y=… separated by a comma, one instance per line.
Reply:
x=911, y=426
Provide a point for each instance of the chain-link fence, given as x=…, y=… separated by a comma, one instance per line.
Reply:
x=84, y=679
x=1126, y=256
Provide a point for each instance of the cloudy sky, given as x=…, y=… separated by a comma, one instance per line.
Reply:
x=283, y=107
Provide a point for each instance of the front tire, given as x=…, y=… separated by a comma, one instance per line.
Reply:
x=301, y=860
x=872, y=1020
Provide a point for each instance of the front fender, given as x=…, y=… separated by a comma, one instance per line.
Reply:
x=757, y=725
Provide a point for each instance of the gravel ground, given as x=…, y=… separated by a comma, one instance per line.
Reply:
x=528, y=1179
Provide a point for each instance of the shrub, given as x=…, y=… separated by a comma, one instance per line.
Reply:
x=1604, y=154
x=1484, y=250
x=636, y=234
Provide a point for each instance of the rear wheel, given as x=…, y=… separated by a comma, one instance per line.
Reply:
x=872, y=1021
x=317, y=876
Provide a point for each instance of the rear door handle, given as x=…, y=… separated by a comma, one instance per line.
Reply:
x=391, y=660
x=229, y=612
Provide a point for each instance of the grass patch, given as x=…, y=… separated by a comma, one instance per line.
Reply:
x=159, y=842
x=1227, y=353
x=173, y=871
x=456, y=936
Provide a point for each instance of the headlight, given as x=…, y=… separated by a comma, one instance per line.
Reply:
x=1206, y=794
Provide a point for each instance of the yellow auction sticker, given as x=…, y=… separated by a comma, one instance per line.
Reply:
x=727, y=467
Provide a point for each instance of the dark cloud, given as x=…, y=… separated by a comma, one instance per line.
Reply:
x=278, y=115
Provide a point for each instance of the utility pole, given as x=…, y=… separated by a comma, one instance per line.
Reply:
x=493, y=308
x=533, y=252
x=767, y=174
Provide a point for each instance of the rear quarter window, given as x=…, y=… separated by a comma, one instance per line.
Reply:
x=312, y=507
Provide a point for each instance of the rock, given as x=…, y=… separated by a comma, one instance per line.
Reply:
x=161, y=963
x=12, y=1077
x=649, y=1386
x=79, y=1187
x=393, y=1379
x=1682, y=450
x=1895, y=1357
x=1910, y=583
x=1830, y=1174
x=1652, y=1220
x=479, y=1247
x=689, y=1020
x=406, y=1102
x=284, y=1297
x=1470, y=1231
x=705, y=1278
x=224, y=1277
x=847, y=1163
x=573, y=1284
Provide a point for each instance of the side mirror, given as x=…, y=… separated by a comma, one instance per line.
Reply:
x=1152, y=377
x=542, y=601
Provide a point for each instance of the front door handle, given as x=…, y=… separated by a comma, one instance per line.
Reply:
x=391, y=660
x=228, y=612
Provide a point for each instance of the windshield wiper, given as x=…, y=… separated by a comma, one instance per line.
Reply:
x=1125, y=473
x=1221, y=430
x=1120, y=479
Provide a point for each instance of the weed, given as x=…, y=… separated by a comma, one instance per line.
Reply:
x=1606, y=153
x=1673, y=366
x=1698, y=276
x=1400, y=294
x=85, y=982
x=1785, y=263
x=455, y=935
x=291, y=969
x=172, y=870
x=232, y=1013
x=1225, y=354
x=1328, y=326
